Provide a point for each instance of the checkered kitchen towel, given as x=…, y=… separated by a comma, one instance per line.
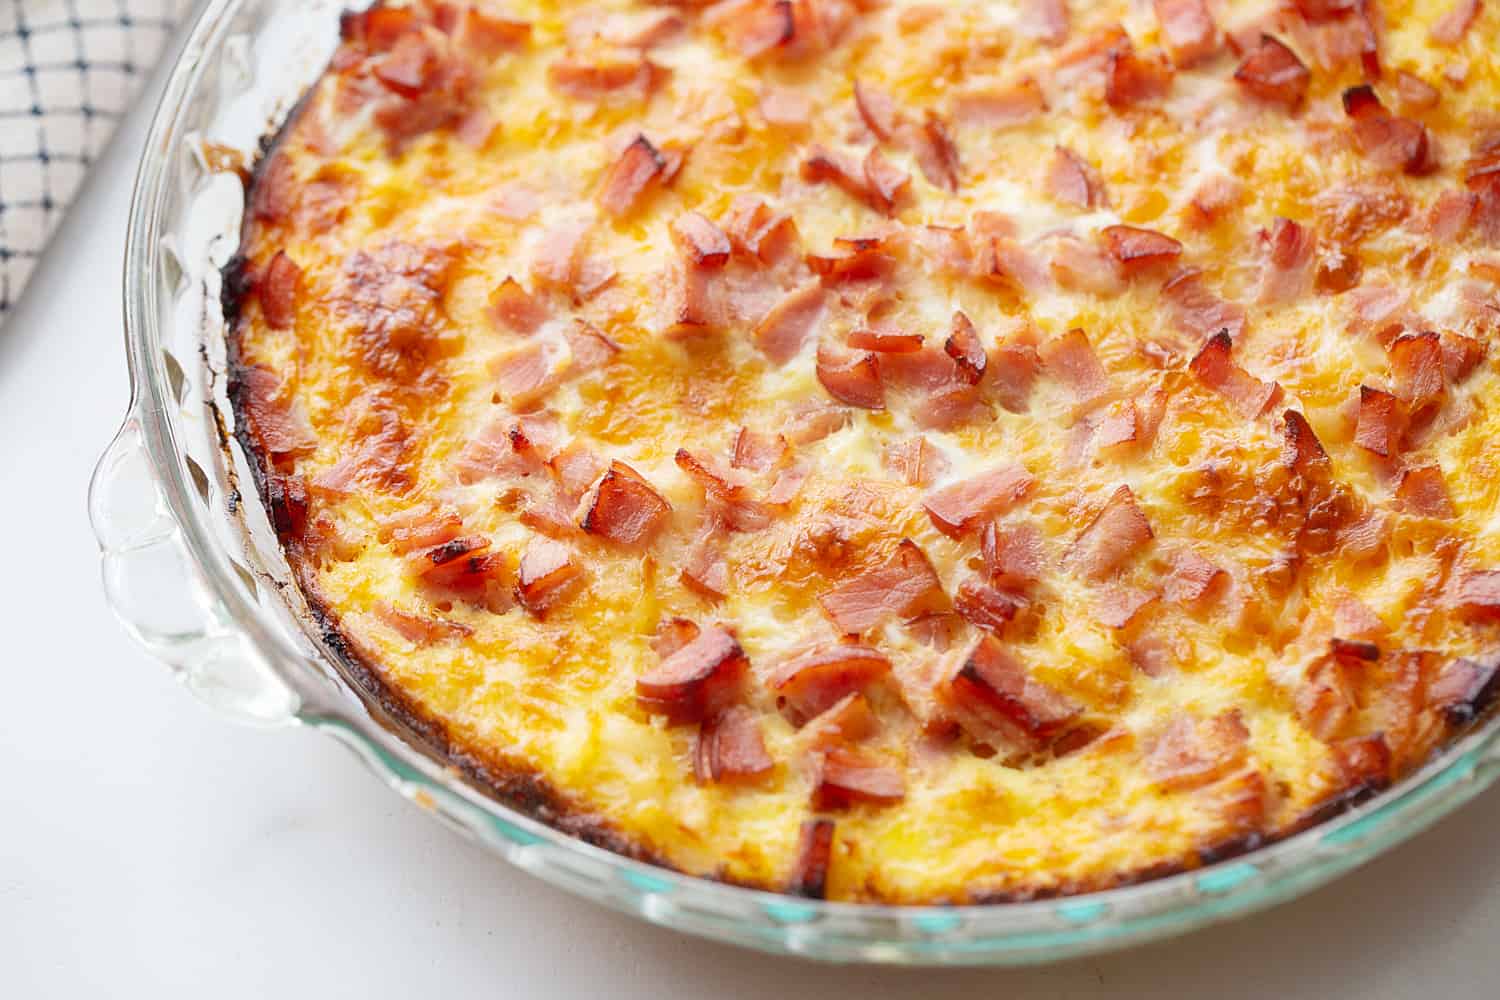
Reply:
x=69, y=70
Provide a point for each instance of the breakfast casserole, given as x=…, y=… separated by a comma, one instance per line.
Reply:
x=894, y=451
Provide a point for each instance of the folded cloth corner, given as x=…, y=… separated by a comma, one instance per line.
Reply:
x=69, y=71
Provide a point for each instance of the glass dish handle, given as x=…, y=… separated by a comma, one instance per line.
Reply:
x=156, y=590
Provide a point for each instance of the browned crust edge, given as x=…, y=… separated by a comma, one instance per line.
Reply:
x=521, y=788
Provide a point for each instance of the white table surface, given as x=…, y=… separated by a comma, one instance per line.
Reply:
x=147, y=848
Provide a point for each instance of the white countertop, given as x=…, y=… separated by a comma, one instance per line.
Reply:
x=148, y=848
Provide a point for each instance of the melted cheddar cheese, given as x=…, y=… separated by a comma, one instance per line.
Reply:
x=516, y=282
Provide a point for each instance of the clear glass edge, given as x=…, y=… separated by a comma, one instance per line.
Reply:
x=1011, y=933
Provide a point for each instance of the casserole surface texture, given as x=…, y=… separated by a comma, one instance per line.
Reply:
x=894, y=451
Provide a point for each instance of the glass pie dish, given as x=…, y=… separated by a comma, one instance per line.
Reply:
x=193, y=568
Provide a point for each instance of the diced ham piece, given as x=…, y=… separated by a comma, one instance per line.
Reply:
x=1452, y=26
x=965, y=348
x=1013, y=371
x=915, y=461
x=878, y=110
x=1072, y=181
x=1289, y=250
x=730, y=748
x=1477, y=594
x=547, y=575
x=1272, y=72
x=516, y=309
x=757, y=231
x=1193, y=752
x=588, y=347
x=278, y=291
x=1085, y=267
x=624, y=508
x=813, y=682
x=1008, y=262
x=988, y=607
x=1418, y=370
x=378, y=28
x=464, y=566
x=1424, y=492
x=632, y=173
x=999, y=106
x=483, y=32
x=421, y=526
x=1120, y=426
x=1012, y=554
x=1318, y=11
x=576, y=468
x=413, y=66
x=901, y=587
x=851, y=377
x=785, y=107
x=936, y=154
x=423, y=630
x=1346, y=33
x=275, y=418
x=781, y=332
x=727, y=494
x=809, y=877
x=1071, y=360
x=788, y=484
x=642, y=30
x=758, y=452
x=672, y=634
x=1376, y=307
x=1193, y=581
x=812, y=421
x=957, y=508
x=706, y=569
x=528, y=373
x=1364, y=761
x=515, y=201
x=1464, y=688
x=1354, y=617
x=758, y=28
x=1188, y=30
x=845, y=777
x=823, y=165
x=1381, y=425
x=1130, y=79
x=1302, y=452
x=561, y=261
x=1216, y=369
x=1213, y=200
x=1118, y=607
x=594, y=77
x=704, y=243
x=884, y=181
x=1140, y=250
x=1046, y=20
x=692, y=303
x=1118, y=531
x=1482, y=169
x=697, y=681
x=849, y=721
x=1392, y=142
x=1461, y=355
x=994, y=693
x=1197, y=310
x=1415, y=94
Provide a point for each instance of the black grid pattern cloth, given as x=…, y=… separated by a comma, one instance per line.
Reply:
x=69, y=70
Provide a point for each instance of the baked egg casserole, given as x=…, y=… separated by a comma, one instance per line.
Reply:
x=894, y=451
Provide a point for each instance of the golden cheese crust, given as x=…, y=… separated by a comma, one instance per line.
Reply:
x=888, y=450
